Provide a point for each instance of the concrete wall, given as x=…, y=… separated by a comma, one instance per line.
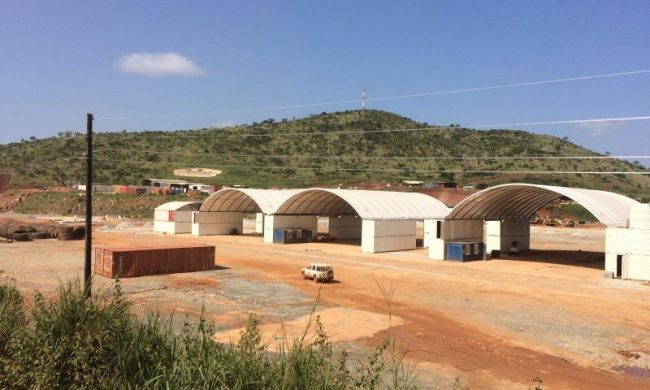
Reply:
x=388, y=235
x=207, y=223
x=345, y=227
x=631, y=244
x=272, y=222
x=259, y=223
x=172, y=227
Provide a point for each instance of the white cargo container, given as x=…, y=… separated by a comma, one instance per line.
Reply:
x=174, y=217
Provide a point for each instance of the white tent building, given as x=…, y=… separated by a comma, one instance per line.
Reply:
x=505, y=212
x=223, y=212
x=384, y=221
x=174, y=217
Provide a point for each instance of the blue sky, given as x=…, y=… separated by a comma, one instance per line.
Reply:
x=59, y=60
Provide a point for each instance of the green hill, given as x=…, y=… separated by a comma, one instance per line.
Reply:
x=367, y=156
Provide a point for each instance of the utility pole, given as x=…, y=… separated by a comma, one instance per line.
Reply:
x=89, y=204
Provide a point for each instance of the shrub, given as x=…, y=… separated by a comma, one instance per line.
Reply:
x=73, y=342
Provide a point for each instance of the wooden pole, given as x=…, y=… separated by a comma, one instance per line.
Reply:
x=89, y=205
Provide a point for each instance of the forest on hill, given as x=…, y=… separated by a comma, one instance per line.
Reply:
x=340, y=148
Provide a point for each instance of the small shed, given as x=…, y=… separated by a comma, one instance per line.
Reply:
x=174, y=217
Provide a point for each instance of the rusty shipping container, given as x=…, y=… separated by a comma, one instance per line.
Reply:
x=132, y=262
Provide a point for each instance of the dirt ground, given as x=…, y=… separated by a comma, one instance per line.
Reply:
x=496, y=324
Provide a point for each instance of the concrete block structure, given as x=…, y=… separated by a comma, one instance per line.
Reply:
x=174, y=217
x=627, y=249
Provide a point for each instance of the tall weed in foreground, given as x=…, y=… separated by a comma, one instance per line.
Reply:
x=73, y=342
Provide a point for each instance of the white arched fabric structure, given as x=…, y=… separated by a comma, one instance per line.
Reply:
x=247, y=200
x=179, y=206
x=520, y=200
x=378, y=205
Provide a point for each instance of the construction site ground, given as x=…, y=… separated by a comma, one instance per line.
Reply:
x=495, y=324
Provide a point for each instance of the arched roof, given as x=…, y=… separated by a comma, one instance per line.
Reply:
x=247, y=200
x=522, y=200
x=179, y=206
x=366, y=204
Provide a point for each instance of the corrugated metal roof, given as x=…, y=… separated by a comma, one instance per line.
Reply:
x=247, y=200
x=179, y=206
x=366, y=204
x=521, y=200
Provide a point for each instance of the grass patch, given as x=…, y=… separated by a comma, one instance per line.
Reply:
x=73, y=342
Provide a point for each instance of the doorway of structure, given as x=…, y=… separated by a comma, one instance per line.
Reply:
x=619, y=266
x=419, y=234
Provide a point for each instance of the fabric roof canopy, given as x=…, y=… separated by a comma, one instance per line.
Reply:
x=179, y=206
x=522, y=200
x=366, y=204
x=247, y=200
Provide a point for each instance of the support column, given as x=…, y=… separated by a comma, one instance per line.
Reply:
x=272, y=222
x=345, y=227
x=617, y=249
x=259, y=223
x=638, y=262
x=388, y=235
x=208, y=223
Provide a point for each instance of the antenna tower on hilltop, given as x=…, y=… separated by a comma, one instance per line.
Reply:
x=363, y=99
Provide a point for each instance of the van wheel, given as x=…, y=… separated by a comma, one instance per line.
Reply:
x=315, y=279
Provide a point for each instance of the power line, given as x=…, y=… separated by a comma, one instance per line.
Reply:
x=419, y=129
x=513, y=85
x=432, y=158
x=394, y=97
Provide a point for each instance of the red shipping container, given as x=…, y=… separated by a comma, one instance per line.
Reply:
x=132, y=262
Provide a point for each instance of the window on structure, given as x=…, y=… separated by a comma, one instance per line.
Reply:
x=438, y=229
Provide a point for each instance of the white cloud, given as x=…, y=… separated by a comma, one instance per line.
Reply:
x=597, y=129
x=158, y=65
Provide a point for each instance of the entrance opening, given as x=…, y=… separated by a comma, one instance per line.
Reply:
x=419, y=234
x=619, y=266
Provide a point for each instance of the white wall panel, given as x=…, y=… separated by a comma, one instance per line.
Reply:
x=172, y=227
x=387, y=236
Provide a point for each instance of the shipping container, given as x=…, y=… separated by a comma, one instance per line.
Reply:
x=132, y=262
x=465, y=251
x=291, y=236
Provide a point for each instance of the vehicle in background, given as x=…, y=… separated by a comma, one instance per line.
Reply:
x=318, y=272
